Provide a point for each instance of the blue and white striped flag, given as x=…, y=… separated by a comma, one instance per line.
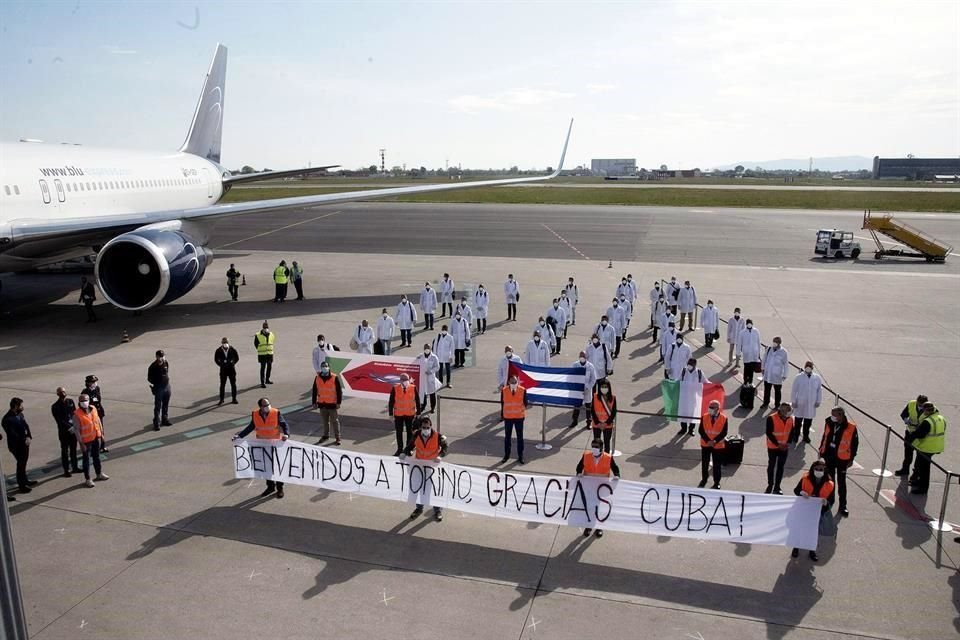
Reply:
x=559, y=386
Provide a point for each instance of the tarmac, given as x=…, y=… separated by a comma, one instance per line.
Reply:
x=172, y=546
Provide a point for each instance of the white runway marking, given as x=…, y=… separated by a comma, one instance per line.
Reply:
x=564, y=241
x=386, y=599
x=289, y=226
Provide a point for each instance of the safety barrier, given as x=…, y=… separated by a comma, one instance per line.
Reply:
x=939, y=524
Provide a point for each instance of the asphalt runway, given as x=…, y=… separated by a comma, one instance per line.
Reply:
x=741, y=237
x=625, y=184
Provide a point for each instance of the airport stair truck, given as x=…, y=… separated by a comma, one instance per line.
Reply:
x=922, y=244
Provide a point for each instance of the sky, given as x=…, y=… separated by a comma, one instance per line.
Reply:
x=491, y=84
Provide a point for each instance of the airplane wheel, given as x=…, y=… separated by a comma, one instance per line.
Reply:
x=877, y=255
x=838, y=255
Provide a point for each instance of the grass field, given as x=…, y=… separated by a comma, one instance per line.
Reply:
x=781, y=199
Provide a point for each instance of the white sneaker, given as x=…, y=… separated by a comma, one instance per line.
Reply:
x=88, y=483
x=102, y=476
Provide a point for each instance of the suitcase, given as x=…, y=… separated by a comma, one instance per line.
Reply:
x=378, y=348
x=733, y=451
x=748, y=394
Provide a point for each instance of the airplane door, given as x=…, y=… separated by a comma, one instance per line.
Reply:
x=45, y=191
x=206, y=178
x=60, y=194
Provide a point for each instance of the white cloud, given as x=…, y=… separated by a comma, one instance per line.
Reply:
x=600, y=87
x=510, y=100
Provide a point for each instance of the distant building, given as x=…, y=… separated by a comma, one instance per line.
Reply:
x=614, y=167
x=914, y=168
x=660, y=174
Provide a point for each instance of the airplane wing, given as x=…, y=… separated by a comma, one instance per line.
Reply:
x=29, y=231
x=273, y=175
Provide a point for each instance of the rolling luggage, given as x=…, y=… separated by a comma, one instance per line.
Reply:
x=747, y=396
x=733, y=451
x=378, y=348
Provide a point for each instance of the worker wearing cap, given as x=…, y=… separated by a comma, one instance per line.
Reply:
x=158, y=377
x=928, y=439
x=596, y=463
x=268, y=424
x=911, y=419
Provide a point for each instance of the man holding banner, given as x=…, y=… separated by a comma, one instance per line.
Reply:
x=513, y=410
x=429, y=445
x=268, y=425
x=596, y=463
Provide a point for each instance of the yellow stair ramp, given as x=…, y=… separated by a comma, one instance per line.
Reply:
x=906, y=235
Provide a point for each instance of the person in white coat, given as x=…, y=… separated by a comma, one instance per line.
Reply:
x=538, y=351
x=633, y=290
x=546, y=332
x=481, y=304
x=687, y=302
x=364, y=337
x=668, y=337
x=443, y=347
x=600, y=357
x=589, y=382
x=557, y=320
x=627, y=307
x=511, y=292
x=428, y=305
x=405, y=317
x=608, y=334
x=655, y=295
x=623, y=289
x=689, y=406
x=710, y=321
x=574, y=297
x=460, y=329
x=429, y=384
x=660, y=316
x=503, y=367
x=618, y=320
x=447, y=293
x=322, y=351
x=386, y=327
x=748, y=348
x=677, y=356
x=735, y=324
x=806, y=393
x=567, y=310
x=464, y=310
x=672, y=291
x=776, y=367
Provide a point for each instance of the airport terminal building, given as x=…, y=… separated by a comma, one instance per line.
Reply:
x=915, y=168
x=614, y=166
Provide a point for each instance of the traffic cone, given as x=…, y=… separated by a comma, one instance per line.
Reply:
x=244, y=282
x=610, y=264
x=124, y=337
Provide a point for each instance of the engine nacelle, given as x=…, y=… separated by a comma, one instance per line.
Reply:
x=149, y=267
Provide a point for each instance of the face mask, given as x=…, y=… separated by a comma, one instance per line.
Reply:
x=426, y=432
x=537, y=339
x=603, y=322
x=808, y=370
x=556, y=306
x=834, y=419
x=656, y=286
x=818, y=474
x=321, y=343
x=660, y=299
x=690, y=368
x=714, y=412
x=426, y=352
x=508, y=354
x=324, y=371
x=265, y=409
x=403, y=302
x=604, y=389
x=443, y=333
x=679, y=342
x=614, y=305
x=687, y=286
x=673, y=281
x=776, y=346
x=93, y=385
x=513, y=386
x=596, y=452
x=543, y=323
x=404, y=383
x=225, y=346
x=384, y=316
x=583, y=361
x=710, y=305
x=481, y=289
x=749, y=326
x=596, y=343
x=84, y=404
x=459, y=316
x=737, y=316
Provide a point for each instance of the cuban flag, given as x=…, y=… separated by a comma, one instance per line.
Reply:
x=557, y=386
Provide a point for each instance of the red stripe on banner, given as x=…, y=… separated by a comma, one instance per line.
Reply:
x=712, y=391
x=522, y=377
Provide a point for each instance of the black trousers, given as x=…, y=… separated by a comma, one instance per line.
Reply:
x=511, y=311
x=21, y=452
x=68, y=451
x=749, y=368
x=606, y=434
x=706, y=454
x=576, y=417
x=801, y=425
x=278, y=291
x=459, y=357
x=298, y=285
x=433, y=401
x=616, y=349
x=907, y=452
x=837, y=469
x=428, y=321
x=481, y=325
x=509, y=427
x=777, y=388
x=776, y=461
x=266, y=368
x=444, y=368
x=401, y=424
x=234, y=291
x=406, y=337
x=161, y=403
x=232, y=377
x=708, y=339
x=559, y=343
x=91, y=316
x=921, y=471
x=443, y=308
x=656, y=330
x=274, y=485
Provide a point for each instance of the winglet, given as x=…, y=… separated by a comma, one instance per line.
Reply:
x=563, y=154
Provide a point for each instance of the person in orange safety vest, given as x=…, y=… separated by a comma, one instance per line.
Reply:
x=429, y=445
x=596, y=462
x=713, y=434
x=268, y=424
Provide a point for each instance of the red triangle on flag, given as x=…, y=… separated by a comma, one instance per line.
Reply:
x=522, y=377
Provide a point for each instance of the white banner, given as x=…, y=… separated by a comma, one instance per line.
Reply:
x=613, y=505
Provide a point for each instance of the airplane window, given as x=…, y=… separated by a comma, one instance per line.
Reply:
x=68, y=187
x=6, y=189
x=16, y=190
x=100, y=186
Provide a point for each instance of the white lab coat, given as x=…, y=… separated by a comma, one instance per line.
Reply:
x=676, y=360
x=662, y=315
x=687, y=300
x=667, y=338
x=589, y=379
x=559, y=316
x=668, y=290
x=405, y=316
x=806, y=393
x=634, y=289
x=617, y=318
x=623, y=289
x=734, y=327
x=538, y=354
x=428, y=300
x=748, y=345
x=429, y=366
x=572, y=294
x=689, y=405
x=776, y=365
x=567, y=308
x=465, y=311
x=546, y=332
x=481, y=302
x=607, y=335
x=511, y=289
x=385, y=328
x=601, y=358
x=447, y=288
x=627, y=307
x=503, y=369
x=365, y=339
x=443, y=346
x=461, y=332
x=710, y=319
x=654, y=296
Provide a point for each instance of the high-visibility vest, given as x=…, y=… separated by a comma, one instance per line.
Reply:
x=933, y=442
x=713, y=428
x=807, y=486
x=296, y=272
x=404, y=402
x=89, y=427
x=280, y=275
x=265, y=344
x=603, y=416
x=326, y=389
x=781, y=430
x=267, y=428
x=845, y=448
x=427, y=449
x=913, y=415
x=513, y=408
x=597, y=466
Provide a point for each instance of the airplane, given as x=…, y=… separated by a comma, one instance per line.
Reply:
x=146, y=216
